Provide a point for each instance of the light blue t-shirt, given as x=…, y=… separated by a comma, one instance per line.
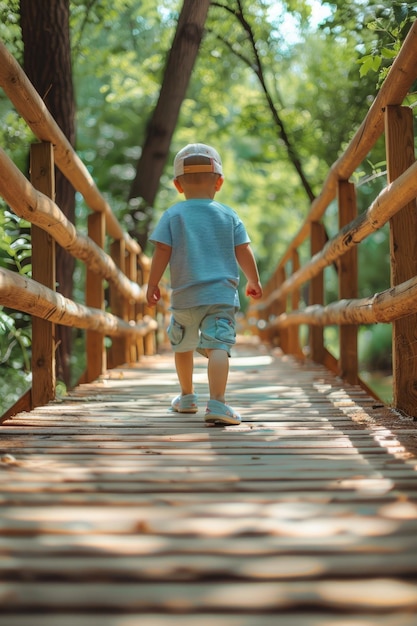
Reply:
x=203, y=235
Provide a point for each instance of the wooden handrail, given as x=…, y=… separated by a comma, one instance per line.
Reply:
x=38, y=300
x=38, y=209
x=389, y=202
x=32, y=109
x=396, y=205
x=129, y=324
x=402, y=74
x=383, y=307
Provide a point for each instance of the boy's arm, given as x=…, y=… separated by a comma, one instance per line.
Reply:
x=160, y=260
x=246, y=260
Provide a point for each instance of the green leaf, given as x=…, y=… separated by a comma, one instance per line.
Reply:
x=388, y=53
x=369, y=62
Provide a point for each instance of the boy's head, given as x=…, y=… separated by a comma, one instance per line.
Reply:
x=197, y=158
x=198, y=171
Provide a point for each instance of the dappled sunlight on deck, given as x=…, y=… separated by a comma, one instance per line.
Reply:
x=309, y=503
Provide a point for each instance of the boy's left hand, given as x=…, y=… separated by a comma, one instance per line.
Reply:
x=254, y=290
x=153, y=295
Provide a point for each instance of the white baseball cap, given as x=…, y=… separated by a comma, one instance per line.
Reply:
x=197, y=149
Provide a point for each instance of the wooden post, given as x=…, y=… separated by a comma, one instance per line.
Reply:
x=118, y=354
x=293, y=330
x=278, y=307
x=140, y=343
x=318, y=239
x=149, y=340
x=94, y=297
x=132, y=273
x=43, y=271
x=272, y=334
x=348, y=285
x=403, y=242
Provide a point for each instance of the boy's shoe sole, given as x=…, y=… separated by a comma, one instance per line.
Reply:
x=219, y=413
x=185, y=404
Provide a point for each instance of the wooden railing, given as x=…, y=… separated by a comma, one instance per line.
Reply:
x=279, y=314
x=129, y=322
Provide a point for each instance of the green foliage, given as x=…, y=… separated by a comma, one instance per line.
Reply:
x=117, y=86
x=15, y=327
x=321, y=81
x=375, y=347
x=389, y=24
x=315, y=85
x=12, y=337
x=15, y=341
x=9, y=27
x=13, y=385
x=15, y=250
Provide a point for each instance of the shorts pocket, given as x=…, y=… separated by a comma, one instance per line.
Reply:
x=225, y=330
x=175, y=332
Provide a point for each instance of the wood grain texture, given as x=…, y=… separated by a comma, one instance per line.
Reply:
x=116, y=511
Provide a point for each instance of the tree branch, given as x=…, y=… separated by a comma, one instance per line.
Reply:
x=257, y=67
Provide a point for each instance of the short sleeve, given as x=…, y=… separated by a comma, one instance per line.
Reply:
x=240, y=235
x=162, y=232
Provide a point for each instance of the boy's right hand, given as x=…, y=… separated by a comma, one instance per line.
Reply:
x=153, y=295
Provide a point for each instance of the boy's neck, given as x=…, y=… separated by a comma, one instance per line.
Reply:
x=205, y=188
x=201, y=195
x=199, y=191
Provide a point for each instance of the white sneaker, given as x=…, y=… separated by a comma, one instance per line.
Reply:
x=219, y=413
x=185, y=404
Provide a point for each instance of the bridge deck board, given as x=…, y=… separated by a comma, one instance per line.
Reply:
x=115, y=511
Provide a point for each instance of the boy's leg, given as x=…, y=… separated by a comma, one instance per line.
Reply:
x=218, y=412
x=218, y=372
x=184, y=364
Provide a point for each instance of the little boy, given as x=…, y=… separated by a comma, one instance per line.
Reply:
x=204, y=242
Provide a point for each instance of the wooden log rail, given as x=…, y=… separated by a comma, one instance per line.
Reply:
x=278, y=317
x=132, y=328
x=32, y=109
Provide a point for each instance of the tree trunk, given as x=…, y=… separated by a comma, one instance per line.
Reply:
x=161, y=127
x=47, y=62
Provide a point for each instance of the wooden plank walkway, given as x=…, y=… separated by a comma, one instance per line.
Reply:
x=116, y=512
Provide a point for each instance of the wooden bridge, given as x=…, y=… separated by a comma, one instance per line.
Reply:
x=116, y=512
